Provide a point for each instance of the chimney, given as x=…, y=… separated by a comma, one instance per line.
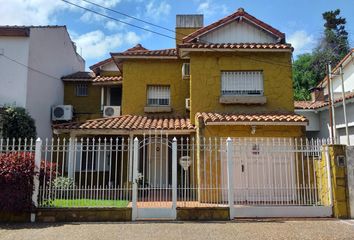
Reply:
x=317, y=94
x=186, y=24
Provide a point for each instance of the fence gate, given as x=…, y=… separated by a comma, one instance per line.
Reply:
x=154, y=178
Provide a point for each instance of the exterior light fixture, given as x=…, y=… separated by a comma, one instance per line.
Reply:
x=253, y=130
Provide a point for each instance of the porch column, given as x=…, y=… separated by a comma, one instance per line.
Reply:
x=230, y=177
x=135, y=180
x=174, y=176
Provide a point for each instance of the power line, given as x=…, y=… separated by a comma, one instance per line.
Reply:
x=115, y=19
x=161, y=34
x=28, y=67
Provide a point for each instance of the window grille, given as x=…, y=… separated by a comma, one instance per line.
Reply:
x=158, y=95
x=247, y=83
x=81, y=90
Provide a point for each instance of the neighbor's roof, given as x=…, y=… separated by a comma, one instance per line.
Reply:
x=250, y=118
x=21, y=31
x=101, y=63
x=140, y=52
x=241, y=13
x=131, y=122
x=275, y=46
x=82, y=76
x=320, y=104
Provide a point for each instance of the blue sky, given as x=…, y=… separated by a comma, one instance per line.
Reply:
x=96, y=36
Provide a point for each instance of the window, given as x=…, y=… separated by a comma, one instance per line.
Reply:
x=242, y=83
x=158, y=96
x=81, y=90
x=185, y=70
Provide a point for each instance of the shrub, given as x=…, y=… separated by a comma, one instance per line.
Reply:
x=16, y=180
x=63, y=183
x=17, y=123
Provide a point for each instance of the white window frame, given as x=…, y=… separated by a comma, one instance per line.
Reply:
x=81, y=89
x=242, y=83
x=158, y=95
x=186, y=70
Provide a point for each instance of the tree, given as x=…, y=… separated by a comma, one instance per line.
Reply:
x=333, y=45
x=17, y=123
x=304, y=76
x=309, y=69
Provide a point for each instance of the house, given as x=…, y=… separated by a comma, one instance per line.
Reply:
x=317, y=110
x=232, y=78
x=32, y=61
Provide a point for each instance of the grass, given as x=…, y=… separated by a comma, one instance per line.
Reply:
x=88, y=203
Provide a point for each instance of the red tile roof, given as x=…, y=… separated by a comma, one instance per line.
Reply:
x=136, y=48
x=241, y=13
x=320, y=104
x=276, y=46
x=282, y=118
x=108, y=79
x=131, y=122
x=171, y=52
x=101, y=63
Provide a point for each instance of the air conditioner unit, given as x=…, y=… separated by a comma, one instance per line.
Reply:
x=62, y=113
x=111, y=111
x=188, y=103
x=185, y=70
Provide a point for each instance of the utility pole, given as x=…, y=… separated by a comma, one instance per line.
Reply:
x=330, y=103
x=344, y=106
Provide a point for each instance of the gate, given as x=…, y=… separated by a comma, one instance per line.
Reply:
x=154, y=178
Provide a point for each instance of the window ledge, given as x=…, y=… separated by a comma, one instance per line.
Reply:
x=243, y=100
x=157, y=109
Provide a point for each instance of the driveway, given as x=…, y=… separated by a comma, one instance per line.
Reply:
x=240, y=229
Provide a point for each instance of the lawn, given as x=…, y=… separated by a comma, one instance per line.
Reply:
x=88, y=203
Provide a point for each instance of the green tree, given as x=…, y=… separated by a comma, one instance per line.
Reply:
x=17, y=123
x=333, y=45
x=304, y=76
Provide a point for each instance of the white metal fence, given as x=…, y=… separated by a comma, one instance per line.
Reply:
x=161, y=171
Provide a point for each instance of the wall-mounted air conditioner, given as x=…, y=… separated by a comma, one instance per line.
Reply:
x=111, y=111
x=185, y=70
x=188, y=103
x=62, y=113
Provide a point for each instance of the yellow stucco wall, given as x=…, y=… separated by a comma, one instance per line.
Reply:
x=206, y=80
x=183, y=32
x=87, y=107
x=138, y=74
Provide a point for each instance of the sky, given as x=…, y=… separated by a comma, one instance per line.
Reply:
x=97, y=36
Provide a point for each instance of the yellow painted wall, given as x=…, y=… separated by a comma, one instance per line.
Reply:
x=206, y=80
x=138, y=74
x=87, y=107
x=183, y=32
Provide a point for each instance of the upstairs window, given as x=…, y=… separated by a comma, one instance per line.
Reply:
x=186, y=70
x=242, y=83
x=81, y=90
x=158, y=95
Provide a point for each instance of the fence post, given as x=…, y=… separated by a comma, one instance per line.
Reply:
x=230, y=177
x=37, y=166
x=329, y=176
x=71, y=158
x=174, y=176
x=135, y=179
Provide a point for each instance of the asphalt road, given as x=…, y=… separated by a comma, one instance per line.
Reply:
x=239, y=229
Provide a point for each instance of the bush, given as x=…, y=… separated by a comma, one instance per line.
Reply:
x=16, y=180
x=63, y=183
x=17, y=123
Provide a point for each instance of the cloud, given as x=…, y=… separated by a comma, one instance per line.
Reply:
x=157, y=10
x=96, y=44
x=301, y=41
x=209, y=8
x=40, y=12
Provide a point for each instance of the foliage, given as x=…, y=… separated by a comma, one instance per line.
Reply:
x=310, y=69
x=16, y=180
x=88, y=203
x=304, y=76
x=63, y=183
x=17, y=123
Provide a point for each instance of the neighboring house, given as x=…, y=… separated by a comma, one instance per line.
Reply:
x=317, y=110
x=232, y=78
x=32, y=61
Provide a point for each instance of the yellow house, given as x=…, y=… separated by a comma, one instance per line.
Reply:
x=232, y=78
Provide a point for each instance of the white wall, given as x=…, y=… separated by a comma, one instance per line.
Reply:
x=13, y=76
x=111, y=66
x=50, y=51
x=312, y=117
x=348, y=77
x=238, y=32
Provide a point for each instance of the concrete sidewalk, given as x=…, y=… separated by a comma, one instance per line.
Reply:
x=238, y=229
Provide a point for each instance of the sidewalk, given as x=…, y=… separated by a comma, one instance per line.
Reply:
x=239, y=229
